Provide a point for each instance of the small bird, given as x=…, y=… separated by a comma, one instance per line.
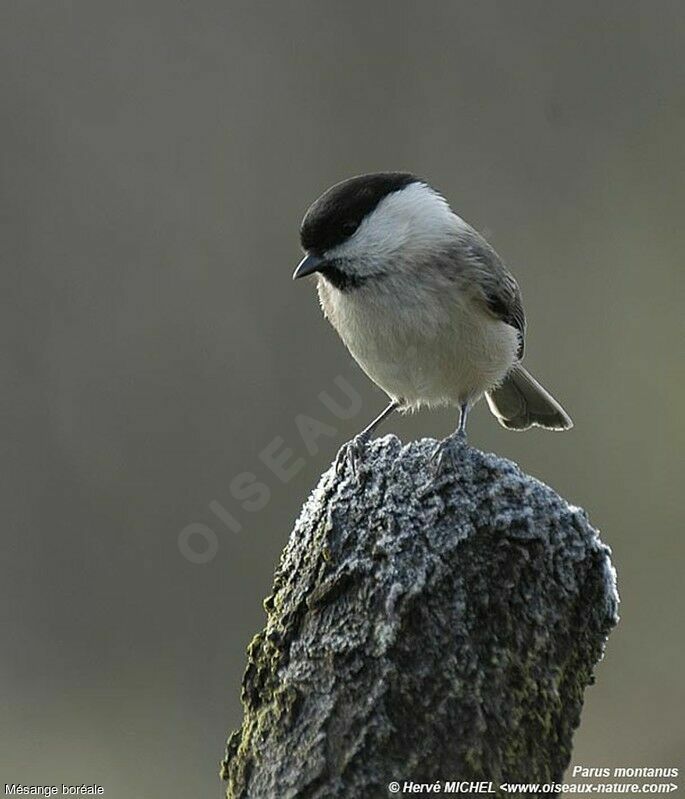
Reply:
x=423, y=303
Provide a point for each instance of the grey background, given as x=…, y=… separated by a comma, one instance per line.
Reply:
x=156, y=160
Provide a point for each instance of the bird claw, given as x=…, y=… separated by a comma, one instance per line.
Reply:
x=444, y=456
x=352, y=454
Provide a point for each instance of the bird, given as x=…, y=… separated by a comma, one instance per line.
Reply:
x=423, y=303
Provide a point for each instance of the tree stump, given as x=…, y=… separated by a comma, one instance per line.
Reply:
x=424, y=626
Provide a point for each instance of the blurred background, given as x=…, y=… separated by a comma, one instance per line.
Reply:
x=157, y=158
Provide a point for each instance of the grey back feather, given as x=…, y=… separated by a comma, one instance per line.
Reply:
x=500, y=291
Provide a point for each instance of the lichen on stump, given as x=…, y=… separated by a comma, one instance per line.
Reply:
x=423, y=627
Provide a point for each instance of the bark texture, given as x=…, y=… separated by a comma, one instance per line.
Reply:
x=425, y=628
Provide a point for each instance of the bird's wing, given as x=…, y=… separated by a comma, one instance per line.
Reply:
x=506, y=303
x=499, y=289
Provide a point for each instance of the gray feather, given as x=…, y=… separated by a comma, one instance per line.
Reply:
x=521, y=402
x=500, y=290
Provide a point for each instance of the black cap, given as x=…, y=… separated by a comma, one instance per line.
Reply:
x=339, y=211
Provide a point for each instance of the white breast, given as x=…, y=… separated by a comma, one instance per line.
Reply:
x=423, y=345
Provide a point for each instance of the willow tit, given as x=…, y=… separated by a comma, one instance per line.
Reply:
x=423, y=303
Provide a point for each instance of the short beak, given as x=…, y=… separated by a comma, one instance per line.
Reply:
x=307, y=266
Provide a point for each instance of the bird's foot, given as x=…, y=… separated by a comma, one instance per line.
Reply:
x=352, y=455
x=445, y=455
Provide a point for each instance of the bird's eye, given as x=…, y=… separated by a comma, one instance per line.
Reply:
x=349, y=226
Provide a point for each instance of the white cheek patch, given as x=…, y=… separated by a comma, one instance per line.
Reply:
x=411, y=221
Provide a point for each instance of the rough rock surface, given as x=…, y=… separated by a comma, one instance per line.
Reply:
x=425, y=628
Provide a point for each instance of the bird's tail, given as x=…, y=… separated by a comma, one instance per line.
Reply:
x=521, y=402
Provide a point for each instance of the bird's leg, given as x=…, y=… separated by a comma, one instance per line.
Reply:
x=365, y=434
x=354, y=450
x=464, y=409
x=443, y=450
